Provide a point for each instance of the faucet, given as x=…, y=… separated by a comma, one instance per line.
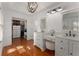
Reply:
x=70, y=33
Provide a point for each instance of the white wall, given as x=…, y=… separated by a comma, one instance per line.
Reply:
x=1, y=26
x=54, y=21
x=30, y=28
x=1, y=30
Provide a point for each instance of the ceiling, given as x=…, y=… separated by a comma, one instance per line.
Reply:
x=22, y=6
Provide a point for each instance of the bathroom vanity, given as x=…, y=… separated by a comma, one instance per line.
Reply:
x=66, y=46
x=39, y=40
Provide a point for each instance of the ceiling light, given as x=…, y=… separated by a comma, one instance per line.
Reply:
x=59, y=9
x=32, y=6
x=53, y=11
x=48, y=13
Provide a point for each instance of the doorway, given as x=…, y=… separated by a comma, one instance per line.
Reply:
x=22, y=29
x=19, y=28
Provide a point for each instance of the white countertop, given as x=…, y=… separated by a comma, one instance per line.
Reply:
x=76, y=38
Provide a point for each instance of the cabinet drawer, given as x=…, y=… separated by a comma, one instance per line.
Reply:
x=59, y=51
x=61, y=47
x=61, y=42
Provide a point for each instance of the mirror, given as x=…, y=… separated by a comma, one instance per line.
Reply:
x=71, y=21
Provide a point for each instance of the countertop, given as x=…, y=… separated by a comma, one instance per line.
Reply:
x=76, y=38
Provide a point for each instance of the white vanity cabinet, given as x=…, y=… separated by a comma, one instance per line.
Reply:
x=67, y=46
x=61, y=47
x=73, y=48
x=39, y=40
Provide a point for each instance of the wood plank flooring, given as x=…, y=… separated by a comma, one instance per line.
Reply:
x=23, y=47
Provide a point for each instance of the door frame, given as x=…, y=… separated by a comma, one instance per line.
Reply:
x=20, y=19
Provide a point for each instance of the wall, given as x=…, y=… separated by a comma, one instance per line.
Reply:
x=1, y=30
x=54, y=21
x=1, y=25
x=30, y=28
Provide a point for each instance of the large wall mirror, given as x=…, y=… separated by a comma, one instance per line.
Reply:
x=71, y=21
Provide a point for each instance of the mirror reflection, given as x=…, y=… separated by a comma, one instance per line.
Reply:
x=71, y=21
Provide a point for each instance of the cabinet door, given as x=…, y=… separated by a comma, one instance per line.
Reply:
x=39, y=40
x=74, y=48
x=61, y=47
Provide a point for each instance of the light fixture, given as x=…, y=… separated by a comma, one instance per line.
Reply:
x=59, y=9
x=53, y=11
x=48, y=13
x=32, y=6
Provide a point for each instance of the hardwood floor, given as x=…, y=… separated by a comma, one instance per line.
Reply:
x=23, y=47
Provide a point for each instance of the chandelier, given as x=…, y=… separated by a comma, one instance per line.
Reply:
x=32, y=6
